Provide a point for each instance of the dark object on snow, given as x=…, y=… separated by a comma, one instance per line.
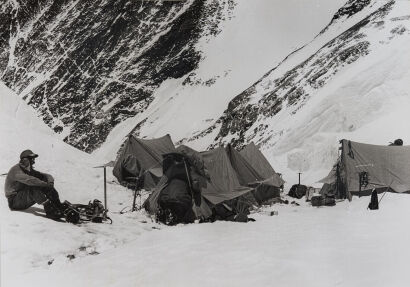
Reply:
x=323, y=201
x=374, y=201
x=71, y=214
x=52, y=211
x=295, y=203
x=175, y=203
x=397, y=142
x=297, y=191
x=224, y=212
x=276, y=200
x=94, y=211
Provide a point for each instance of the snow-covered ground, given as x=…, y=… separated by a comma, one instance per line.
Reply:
x=302, y=246
x=345, y=245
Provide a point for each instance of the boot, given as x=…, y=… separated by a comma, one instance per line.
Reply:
x=52, y=211
x=71, y=214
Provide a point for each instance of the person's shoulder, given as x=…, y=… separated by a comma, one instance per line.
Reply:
x=15, y=167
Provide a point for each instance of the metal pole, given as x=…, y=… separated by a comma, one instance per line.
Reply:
x=135, y=195
x=105, y=187
x=299, y=177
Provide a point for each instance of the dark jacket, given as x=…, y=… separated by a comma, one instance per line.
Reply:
x=19, y=179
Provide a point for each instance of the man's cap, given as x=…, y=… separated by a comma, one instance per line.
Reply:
x=28, y=153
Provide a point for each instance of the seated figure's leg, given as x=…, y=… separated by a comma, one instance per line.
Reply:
x=26, y=198
x=53, y=196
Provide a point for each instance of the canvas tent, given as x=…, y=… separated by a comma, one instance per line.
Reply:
x=259, y=174
x=220, y=185
x=362, y=167
x=257, y=160
x=142, y=158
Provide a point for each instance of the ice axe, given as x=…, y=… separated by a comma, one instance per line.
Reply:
x=104, y=166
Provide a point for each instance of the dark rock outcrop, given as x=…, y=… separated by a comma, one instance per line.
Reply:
x=88, y=65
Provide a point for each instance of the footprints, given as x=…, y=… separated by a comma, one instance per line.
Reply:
x=81, y=252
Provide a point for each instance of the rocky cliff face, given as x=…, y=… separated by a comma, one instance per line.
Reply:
x=86, y=66
x=251, y=115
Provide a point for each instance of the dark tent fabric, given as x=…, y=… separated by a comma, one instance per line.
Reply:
x=257, y=160
x=261, y=176
x=219, y=185
x=142, y=158
x=362, y=167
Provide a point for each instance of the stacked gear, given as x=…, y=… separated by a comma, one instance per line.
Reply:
x=180, y=194
x=94, y=211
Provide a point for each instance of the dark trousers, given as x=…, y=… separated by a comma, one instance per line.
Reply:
x=30, y=196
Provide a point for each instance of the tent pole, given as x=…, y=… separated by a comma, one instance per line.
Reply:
x=105, y=187
x=384, y=194
x=190, y=186
x=360, y=185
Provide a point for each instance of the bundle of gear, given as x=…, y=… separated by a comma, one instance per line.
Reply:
x=94, y=211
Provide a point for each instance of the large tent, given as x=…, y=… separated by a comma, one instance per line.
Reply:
x=142, y=159
x=362, y=167
x=221, y=185
x=254, y=170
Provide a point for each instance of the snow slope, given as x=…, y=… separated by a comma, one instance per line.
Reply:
x=29, y=240
x=345, y=245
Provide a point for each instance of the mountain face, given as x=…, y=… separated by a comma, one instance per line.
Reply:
x=196, y=69
x=86, y=66
x=261, y=112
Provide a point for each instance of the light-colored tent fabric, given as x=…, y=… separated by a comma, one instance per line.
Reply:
x=386, y=166
x=330, y=178
x=141, y=157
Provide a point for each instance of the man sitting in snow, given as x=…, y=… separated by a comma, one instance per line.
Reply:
x=25, y=187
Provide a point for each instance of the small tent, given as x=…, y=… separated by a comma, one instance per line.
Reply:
x=142, y=159
x=217, y=184
x=363, y=167
x=260, y=175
